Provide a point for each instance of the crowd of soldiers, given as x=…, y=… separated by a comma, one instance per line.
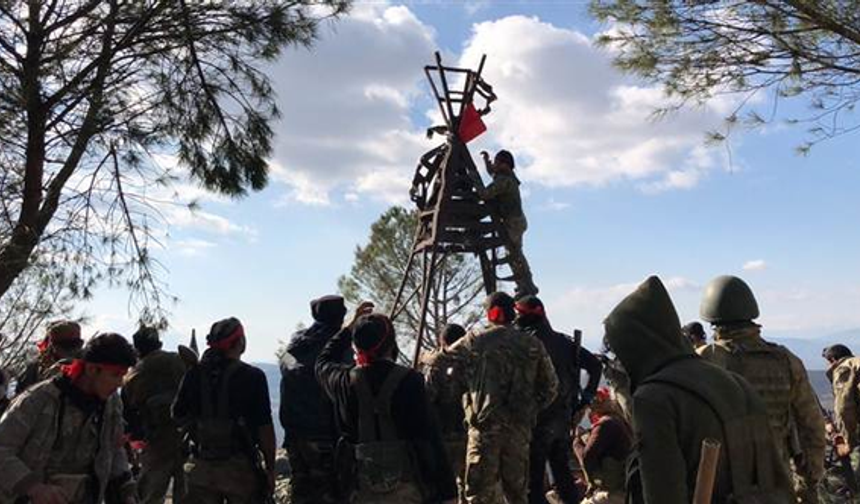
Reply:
x=492, y=415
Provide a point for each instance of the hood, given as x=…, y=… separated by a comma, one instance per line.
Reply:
x=644, y=331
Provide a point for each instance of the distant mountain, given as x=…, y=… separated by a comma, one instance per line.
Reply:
x=809, y=349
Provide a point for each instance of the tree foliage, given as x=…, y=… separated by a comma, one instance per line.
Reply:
x=92, y=92
x=36, y=298
x=381, y=264
x=698, y=50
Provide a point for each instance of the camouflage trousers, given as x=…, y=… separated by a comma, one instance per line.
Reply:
x=405, y=493
x=497, y=465
x=312, y=476
x=158, y=466
x=231, y=481
x=515, y=228
x=456, y=450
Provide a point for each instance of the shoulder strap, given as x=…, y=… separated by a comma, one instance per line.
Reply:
x=374, y=412
x=732, y=454
x=207, y=408
x=224, y=394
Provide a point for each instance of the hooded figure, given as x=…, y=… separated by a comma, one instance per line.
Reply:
x=678, y=401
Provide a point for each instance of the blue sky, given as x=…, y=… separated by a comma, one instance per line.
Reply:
x=611, y=196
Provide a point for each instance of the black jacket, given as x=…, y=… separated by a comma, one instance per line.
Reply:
x=562, y=352
x=305, y=411
x=410, y=410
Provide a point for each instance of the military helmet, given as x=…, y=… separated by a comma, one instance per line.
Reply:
x=728, y=299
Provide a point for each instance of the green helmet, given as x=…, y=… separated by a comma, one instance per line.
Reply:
x=728, y=299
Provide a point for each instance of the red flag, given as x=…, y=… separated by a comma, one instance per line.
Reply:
x=471, y=124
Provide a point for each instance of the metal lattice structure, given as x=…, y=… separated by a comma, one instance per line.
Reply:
x=452, y=218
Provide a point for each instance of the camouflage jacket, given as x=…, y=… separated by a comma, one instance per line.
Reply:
x=507, y=377
x=780, y=378
x=845, y=377
x=504, y=192
x=148, y=392
x=443, y=392
x=29, y=431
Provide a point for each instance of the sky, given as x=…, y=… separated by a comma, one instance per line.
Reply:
x=611, y=195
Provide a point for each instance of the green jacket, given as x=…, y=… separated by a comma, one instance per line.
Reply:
x=680, y=400
x=507, y=377
x=148, y=392
x=28, y=431
x=504, y=192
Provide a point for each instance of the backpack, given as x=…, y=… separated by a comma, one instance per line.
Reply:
x=214, y=435
x=738, y=436
x=382, y=460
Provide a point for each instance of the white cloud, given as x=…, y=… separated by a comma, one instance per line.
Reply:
x=575, y=120
x=354, y=108
x=182, y=217
x=755, y=265
x=192, y=247
x=347, y=108
x=555, y=206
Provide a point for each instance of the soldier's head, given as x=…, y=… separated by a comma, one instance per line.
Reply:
x=695, y=333
x=146, y=340
x=329, y=310
x=728, y=300
x=530, y=311
x=835, y=353
x=103, y=364
x=228, y=337
x=500, y=308
x=373, y=339
x=504, y=161
x=62, y=340
x=450, y=335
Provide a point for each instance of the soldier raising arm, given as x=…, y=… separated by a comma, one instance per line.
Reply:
x=383, y=413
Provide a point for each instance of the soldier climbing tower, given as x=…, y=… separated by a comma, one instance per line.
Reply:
x=452, y=219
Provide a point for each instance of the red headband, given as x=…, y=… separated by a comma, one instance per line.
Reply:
x=77, y=366
x=524, y=309
x=367, y=357
x=496, y=315
x=226, y=343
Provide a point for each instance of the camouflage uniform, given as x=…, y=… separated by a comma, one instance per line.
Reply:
x=504, y=193
x=147, y=393
x=44, y=367
x=86, y=446
x=781, y=380
x=446, y=400
x=508, y=379
x=845, y=377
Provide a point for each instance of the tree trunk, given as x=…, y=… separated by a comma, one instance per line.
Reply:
x=25, y=236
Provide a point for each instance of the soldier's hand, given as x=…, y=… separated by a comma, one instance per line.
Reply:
x=47, y=494
x=485, y=155
x=364, y=308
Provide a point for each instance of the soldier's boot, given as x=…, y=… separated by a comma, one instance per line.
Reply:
x=522, y=274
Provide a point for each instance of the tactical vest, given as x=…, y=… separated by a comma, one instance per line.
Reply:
x=215, y=437
x=382, y=460
x=753, y=479
x=768, y=370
